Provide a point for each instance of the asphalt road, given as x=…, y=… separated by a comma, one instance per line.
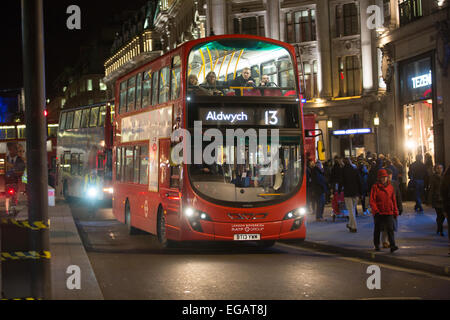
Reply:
x=134, y=267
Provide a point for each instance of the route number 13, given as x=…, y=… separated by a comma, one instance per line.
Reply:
x=271, y=118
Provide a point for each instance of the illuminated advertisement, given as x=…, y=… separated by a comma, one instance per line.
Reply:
x=416, y=81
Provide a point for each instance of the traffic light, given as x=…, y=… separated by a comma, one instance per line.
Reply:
x=45, y=113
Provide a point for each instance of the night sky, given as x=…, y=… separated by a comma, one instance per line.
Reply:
x=61, y=45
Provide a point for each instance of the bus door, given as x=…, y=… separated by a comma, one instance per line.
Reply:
x=169, y=186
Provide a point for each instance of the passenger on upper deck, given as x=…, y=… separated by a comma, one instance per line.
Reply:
x=244, y=80
x=193, y=86
x=211, y=84
x=266, y=83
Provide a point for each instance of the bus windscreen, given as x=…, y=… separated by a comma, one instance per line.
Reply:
x=238, y=67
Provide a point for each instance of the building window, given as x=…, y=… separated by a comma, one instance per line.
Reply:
x=301, y=26
x=310, y=80
x=346, y=20
x=353, y=70
x=103, y=86
x=410, y=10
x=341, y=77
x=82, y=86
x=349, y=76
x=249, y=25
x=89, y=85
x=387, y=12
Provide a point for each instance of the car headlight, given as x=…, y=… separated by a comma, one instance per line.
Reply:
x=297, y=213
x=92, y=192
x=108, y=190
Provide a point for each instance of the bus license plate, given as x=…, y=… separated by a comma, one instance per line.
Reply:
x=247, y=237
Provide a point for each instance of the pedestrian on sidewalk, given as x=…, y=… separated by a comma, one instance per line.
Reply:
x=336, y=173
x=445, y=194
x=436, y=198
x=350, y=182
x=310, y=201
x=384, y=209
x=427, y=183
x=417, y=175
x=364, y=173
x=398, y=198
x=319, y=188
x=401, y=175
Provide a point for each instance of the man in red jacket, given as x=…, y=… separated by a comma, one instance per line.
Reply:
x=384, y=209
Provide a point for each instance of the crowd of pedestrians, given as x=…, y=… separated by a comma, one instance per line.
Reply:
x=383, y=182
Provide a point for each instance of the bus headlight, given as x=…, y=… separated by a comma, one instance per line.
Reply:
x=297, y=213
x=92, y=192
x=194, y=218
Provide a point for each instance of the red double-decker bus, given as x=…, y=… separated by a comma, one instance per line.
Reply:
x=256, y=88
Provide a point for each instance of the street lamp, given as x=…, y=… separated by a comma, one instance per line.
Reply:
x=330, y=130
x=376, y=123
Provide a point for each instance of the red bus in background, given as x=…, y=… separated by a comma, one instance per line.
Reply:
x=16, y=132
x=84, y=150
x=224, y=201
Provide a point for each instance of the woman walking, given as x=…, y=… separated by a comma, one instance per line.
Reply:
x=384, y=209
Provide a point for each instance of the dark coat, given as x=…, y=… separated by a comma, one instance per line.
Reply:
x=418, y=171
x=436, y=197
x=319, y=182
x=336, y=174
x=445, y=191
x=398, y=195
x=350, y=182
x=364, y=182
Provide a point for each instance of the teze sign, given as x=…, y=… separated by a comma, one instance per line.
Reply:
x=422, y=81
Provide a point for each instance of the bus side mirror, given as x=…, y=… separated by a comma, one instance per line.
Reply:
x=321, y=150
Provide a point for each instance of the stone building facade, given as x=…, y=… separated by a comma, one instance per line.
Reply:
x=415, y=64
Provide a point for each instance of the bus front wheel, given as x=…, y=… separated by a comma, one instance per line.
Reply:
x=162, y=235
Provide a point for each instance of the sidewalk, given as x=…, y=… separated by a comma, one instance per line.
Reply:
x=66, y=249
x=420, y=247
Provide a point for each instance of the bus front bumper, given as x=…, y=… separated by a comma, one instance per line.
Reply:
x=233, y=231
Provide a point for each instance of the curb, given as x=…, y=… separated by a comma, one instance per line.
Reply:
x=377, y=257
